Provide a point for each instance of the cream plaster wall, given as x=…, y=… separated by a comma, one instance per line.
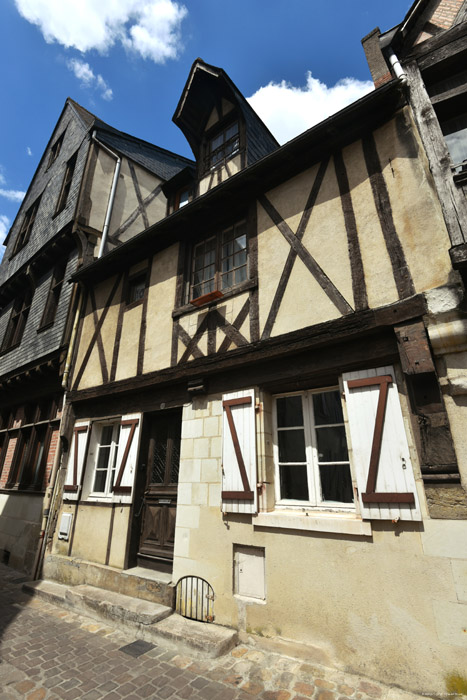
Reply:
x=398, y=594
x=161, y=300
x=20, y=522
x=93, y=373
x=129, y=342
x=92, y=519
x=416, y=210
x=100, y=188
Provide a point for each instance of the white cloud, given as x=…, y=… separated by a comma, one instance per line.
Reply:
x=12, y=195
x=28, y=151
x=288, y=110
x=4, y=227
x=84, y=72
x=150, y=28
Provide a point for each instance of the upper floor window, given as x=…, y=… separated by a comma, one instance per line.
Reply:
x=17, y=322
x=223, y=146
x=137, y=285
x=27, y=225
x=55, y=150
x=66, y=185
x=311, y=456
x=53, y=296
x=219, y=262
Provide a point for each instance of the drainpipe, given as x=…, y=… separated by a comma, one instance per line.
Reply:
x=113, y=190
x=46, y=510
x=397, y=68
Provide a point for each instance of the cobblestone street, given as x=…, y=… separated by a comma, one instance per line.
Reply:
x=48, y=653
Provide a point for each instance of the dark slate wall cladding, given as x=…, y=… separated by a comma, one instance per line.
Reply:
x=48, y=182
x=34, y=344
x=259, y=140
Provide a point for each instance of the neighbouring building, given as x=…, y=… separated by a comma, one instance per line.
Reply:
x=91, y=178
x=268, y=390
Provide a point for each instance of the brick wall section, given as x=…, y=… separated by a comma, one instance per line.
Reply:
x=446, y=13
x=50, y=457
x=7, y=462
x=376, y=62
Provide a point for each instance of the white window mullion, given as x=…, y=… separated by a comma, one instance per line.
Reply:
x=314, y=488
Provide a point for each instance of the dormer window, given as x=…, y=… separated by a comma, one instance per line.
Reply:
x=223, y=146
x=55, y=150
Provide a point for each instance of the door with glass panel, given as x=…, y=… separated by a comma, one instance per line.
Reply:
x=160, y=458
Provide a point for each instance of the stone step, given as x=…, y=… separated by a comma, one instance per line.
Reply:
x=154, y=586
x=151, y=622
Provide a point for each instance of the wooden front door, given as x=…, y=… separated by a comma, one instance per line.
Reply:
x=161, y=449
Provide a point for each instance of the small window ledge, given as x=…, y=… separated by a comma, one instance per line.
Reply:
x=342, y=524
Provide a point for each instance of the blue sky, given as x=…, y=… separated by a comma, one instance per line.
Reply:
x=127, y=62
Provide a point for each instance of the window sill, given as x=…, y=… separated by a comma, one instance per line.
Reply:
x=227, y=294
x=338, y=523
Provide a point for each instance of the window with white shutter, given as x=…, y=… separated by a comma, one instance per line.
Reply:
x=239, y=494
x=380, y=452
x=111, y=459
x=76, y=459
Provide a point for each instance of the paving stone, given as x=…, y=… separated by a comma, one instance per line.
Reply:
x=321, y=683
x=345, y=689
x=276, y=695
x=304, y=688
x=325, y=695
x=370, y=689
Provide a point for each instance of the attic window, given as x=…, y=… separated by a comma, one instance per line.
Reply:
x=55, y=150
x=223, y=146
x=26, y=226
x=66, y=185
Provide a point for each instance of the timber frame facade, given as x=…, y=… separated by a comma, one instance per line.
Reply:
x=59, y=227
x=267, y=386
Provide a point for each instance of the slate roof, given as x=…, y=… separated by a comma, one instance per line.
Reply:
x=159, y=161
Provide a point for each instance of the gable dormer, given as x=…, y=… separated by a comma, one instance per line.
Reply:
x=224, y=132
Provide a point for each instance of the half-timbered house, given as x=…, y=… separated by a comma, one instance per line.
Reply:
x=93, y=189
x=278, y=410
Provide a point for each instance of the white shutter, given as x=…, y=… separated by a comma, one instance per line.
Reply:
x=127, y=455
x=239, y=494
x=76, y=459
x=379, y=446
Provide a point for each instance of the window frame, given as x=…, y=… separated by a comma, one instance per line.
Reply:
x=33, y=428
x=27, y=225
x=17, y=322
x=132, y=280
x=53, y=295
x=66, y=183
x=315, y=501
x=111, y=460
x=215, y=133
x=55, y=150
x=217, y=290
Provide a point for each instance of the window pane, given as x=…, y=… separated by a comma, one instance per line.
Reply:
x=289, y=411
x=240, y=242
x=291, y=446
x=99, y=481
x=106, y=436
x=227, y=280
x=294, y=482
x=103, y=458
x=231, y=131
x=332, y=445
x=240, y=258
x=240, y=275
x=327, y=408
x=336, y=484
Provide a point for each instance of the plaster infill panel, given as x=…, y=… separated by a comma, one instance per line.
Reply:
x=100, y=188
x=88, y=521
x=161, y=296
x=417, y=215
x=379, y=279
x=129, y=343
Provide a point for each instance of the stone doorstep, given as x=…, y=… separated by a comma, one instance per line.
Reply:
x=150, y=621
